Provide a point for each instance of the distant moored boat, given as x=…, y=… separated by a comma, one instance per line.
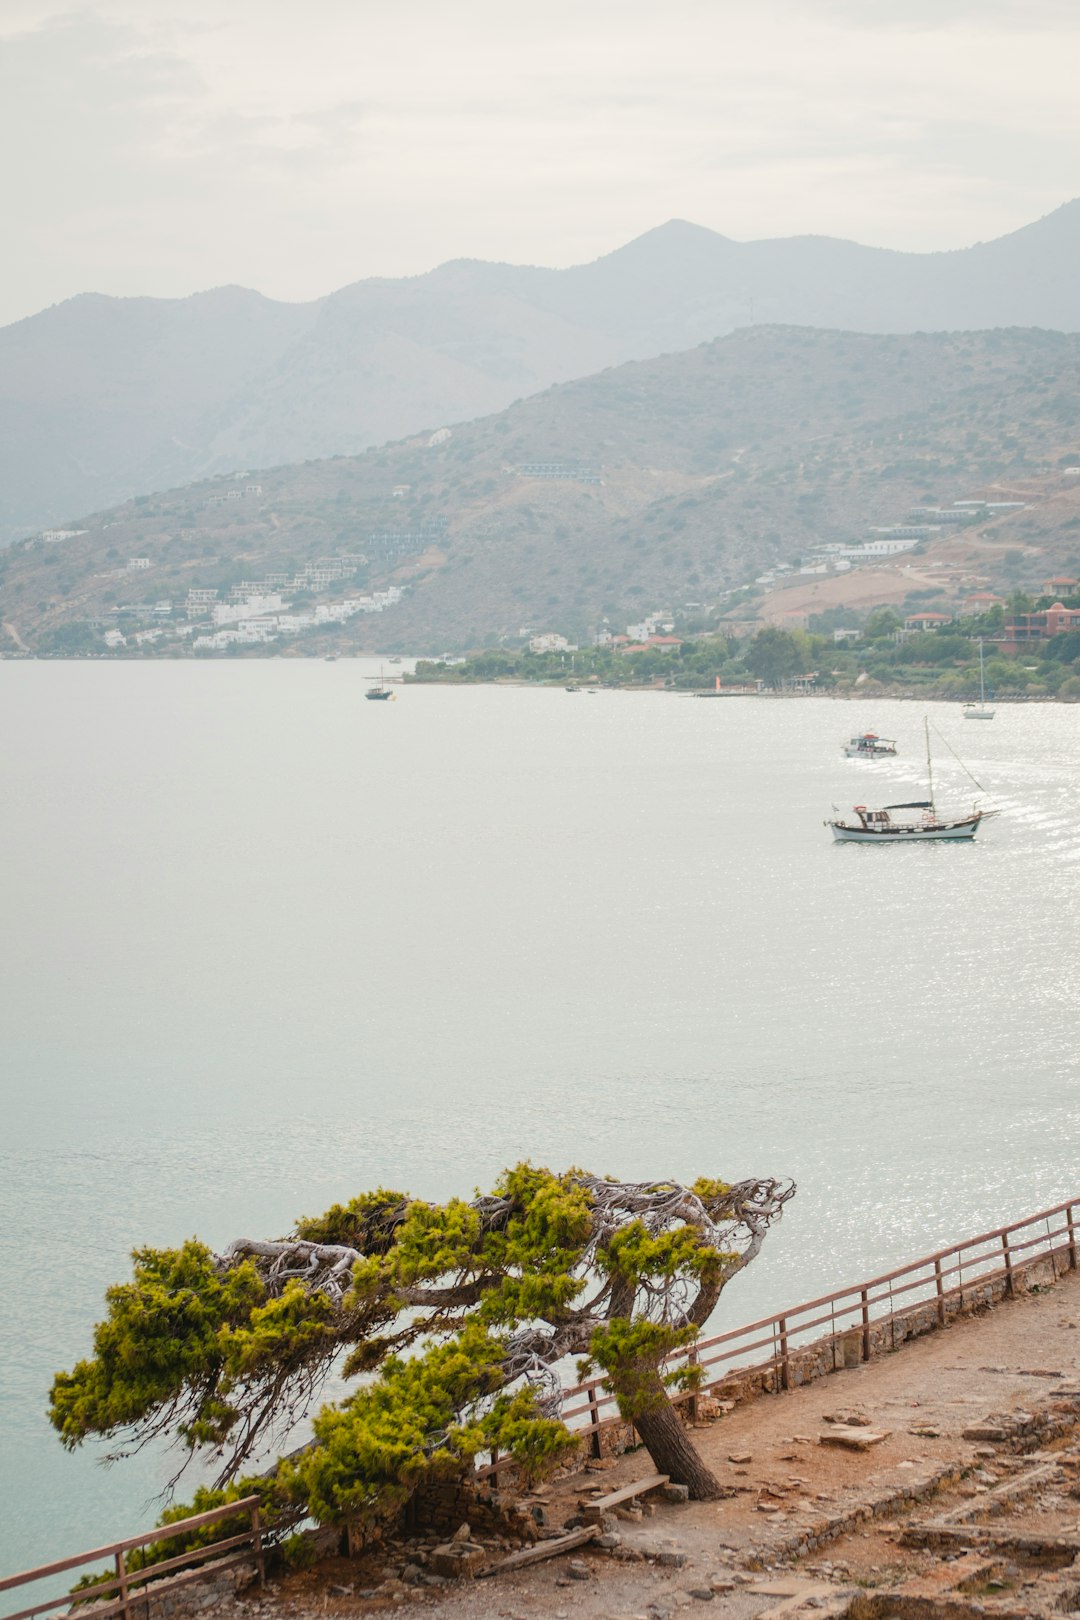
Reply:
x=869, y=746
x=979, y=711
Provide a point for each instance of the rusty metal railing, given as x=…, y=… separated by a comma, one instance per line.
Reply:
x=128, y=1587
x=849, y=1316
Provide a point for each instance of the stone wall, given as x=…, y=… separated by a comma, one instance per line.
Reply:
x=441, y=1507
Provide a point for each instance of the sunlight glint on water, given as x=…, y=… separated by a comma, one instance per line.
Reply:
x=267, y=945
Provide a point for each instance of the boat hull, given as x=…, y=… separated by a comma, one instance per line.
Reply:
x=953, y=832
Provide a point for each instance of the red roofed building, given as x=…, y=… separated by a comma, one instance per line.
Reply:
x=981, y=602
x=1026, y=629
x=1061, y=586
x=927, y=621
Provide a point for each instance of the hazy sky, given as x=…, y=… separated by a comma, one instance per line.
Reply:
x=162, y=146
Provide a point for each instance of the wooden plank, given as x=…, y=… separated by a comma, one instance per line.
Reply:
x=542, y=1550
x=652, y=1482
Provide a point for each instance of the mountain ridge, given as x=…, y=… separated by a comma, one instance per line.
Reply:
x=663, y=482
x=101, y=398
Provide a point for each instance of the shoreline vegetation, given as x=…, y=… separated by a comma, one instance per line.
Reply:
x=881, y=659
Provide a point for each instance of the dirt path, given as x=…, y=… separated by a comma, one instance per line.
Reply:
x=1004, y=1371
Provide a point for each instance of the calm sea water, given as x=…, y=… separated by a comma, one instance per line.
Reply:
x=267, y=944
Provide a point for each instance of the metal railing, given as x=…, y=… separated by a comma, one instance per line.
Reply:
x=130, y=1585
x=767, y=1347
x=849, y=1316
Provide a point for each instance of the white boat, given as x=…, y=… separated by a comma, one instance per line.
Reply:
x=979, y=711
x=881, y=826
x=869, y=746
x=884, y=826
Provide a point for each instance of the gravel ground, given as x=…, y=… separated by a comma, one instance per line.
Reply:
x=738, y=1557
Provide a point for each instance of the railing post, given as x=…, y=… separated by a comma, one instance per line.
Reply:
x=594, y=1419
x=122, y=1585
x=865, y=1298
x=692, y=1361
x=257, y=1546
x=940, y=1291
x=1009, y=1289
x=1072, y=1238
x=785, y=1370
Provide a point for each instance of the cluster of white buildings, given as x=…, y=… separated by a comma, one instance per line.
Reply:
x=314, y=576
x=654, y=624
x=266, y=618
x=549, y=642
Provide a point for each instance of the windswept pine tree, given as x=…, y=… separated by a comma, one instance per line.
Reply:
x=456, y=1318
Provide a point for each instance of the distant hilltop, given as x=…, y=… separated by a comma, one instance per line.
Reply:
x=104, y=398
x=771, y=476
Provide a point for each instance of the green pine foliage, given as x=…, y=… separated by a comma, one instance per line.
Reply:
x=451, y=1316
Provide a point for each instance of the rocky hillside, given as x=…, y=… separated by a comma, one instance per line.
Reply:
x=675, y=480
x=103, y=398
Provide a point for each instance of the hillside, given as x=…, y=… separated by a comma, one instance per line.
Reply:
x=680, y=478
x=102, y=398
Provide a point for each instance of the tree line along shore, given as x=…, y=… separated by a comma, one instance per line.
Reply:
x=879, y=657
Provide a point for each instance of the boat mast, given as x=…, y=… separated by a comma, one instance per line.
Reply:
x=929, y=764
x=982, y=678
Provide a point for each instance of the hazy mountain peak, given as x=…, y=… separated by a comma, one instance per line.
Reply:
x=101, y=396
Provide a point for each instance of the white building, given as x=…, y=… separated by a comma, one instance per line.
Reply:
x=550, y=643
x=232, y=612
x=884, y=547
x=200, y=601
x=137, y=563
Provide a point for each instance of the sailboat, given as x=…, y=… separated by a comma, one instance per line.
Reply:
x=379, y=692
x=883, y=827
x=979, y=711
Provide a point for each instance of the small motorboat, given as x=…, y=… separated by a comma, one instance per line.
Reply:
x=869, y=746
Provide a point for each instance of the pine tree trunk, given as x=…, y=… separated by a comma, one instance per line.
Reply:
x=667, y=1441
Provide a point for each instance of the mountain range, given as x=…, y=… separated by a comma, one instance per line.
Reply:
x=659, y=483
x=102, y=398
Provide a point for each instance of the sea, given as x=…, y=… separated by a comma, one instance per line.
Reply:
x=267, y=944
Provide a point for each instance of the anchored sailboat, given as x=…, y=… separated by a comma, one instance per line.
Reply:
x=883, y=826
x=979, y=711
x=379, y=692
